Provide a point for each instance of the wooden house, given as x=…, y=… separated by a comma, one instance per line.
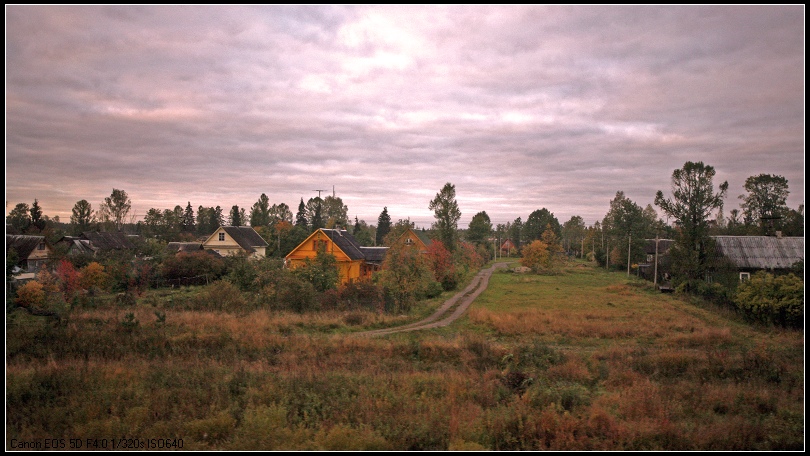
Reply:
x=757, y=253
x=355, y=262
x=234, y=240
x=416, y=239
x=508, y=247
x=33, y=252
x=188, y=247
x=91, y=242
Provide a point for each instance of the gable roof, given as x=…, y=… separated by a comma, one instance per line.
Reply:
x=105, y=240
x=374, y=254
x=348, y=244
x=345, y=242
x=245, y=236
x=22, y=244
x=184, y=246
x=761, y=252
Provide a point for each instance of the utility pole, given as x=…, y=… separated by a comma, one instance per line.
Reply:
x=629, y=239
x=655, y=268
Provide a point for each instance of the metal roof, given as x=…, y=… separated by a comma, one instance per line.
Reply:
x=761, y=252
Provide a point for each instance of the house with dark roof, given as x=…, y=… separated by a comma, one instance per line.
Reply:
x=756, y=253
x=91, y=242
x=234, y=240
x=33, y=252
x=355, y=262
x=188, y=247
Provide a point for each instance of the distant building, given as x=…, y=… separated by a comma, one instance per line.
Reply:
x=233, y=240
x=91, y=242
x=757, y=253
x=355, y=262
x=33, y=252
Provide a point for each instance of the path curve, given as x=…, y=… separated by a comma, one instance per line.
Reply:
x=460, y=302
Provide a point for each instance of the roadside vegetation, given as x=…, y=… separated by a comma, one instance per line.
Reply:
x=582, y=359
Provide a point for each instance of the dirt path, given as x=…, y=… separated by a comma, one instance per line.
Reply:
x=458, y=304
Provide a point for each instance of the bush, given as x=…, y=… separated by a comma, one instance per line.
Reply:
x=295, y=294
x=772, y=300
x=192, y=268
x=30, y=295
x=222, y=295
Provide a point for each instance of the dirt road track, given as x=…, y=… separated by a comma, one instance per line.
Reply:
x=458, y=304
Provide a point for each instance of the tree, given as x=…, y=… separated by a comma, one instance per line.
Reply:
x=480, y=229
x=515, y=232
x=36, y=216
x=693, y=201
x=19, y=218
x=573, y=233
x=537, y=223
x=82, y=216
x=544, y=255
x=322, y=272
x=335, y=212
x=235, y=217
x=117, y=206
x=188, y=219
x=794, y=222
x=301, y=216
x=280, y=213
x=626, y=225
x=260, y=212
x=447, y=214
x=315, y=213
x=765, y=202
x=383, y=226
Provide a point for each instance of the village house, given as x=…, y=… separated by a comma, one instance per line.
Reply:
x=91, y=242
x=414, y=238
x=354, y=261
x=234, y=240
x=187, y=247
x=33, y=252
x=508, y=248
x=775, y=254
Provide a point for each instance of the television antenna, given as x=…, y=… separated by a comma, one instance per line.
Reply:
x=319, y=192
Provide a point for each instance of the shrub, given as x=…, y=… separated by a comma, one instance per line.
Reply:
x=322, y=272
x=294, y=294
x=222, y=295
x=30, y=295
x=188, y=268
x=93, y=277
x=772, y=300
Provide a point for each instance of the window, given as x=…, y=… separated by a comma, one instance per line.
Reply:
x=221, y=236
x=409, y=241
x=319, y=245
x=745, y=276
x=41, y=246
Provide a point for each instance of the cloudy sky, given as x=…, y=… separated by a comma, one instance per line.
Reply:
x=520, y=107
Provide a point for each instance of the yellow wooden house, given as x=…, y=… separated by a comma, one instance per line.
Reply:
x=355, y=262
x=416, y=239
x=233, y=240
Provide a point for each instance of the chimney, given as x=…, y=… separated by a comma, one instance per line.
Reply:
x=778, y=235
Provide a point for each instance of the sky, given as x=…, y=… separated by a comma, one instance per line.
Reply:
x=519, y=107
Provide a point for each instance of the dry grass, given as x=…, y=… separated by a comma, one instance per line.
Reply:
x=581, y=361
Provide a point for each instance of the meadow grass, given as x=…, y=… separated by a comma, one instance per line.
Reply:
x=582, y=360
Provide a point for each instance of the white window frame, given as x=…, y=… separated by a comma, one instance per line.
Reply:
x=745, y=276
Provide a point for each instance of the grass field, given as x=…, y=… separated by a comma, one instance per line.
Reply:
x=584, y=360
